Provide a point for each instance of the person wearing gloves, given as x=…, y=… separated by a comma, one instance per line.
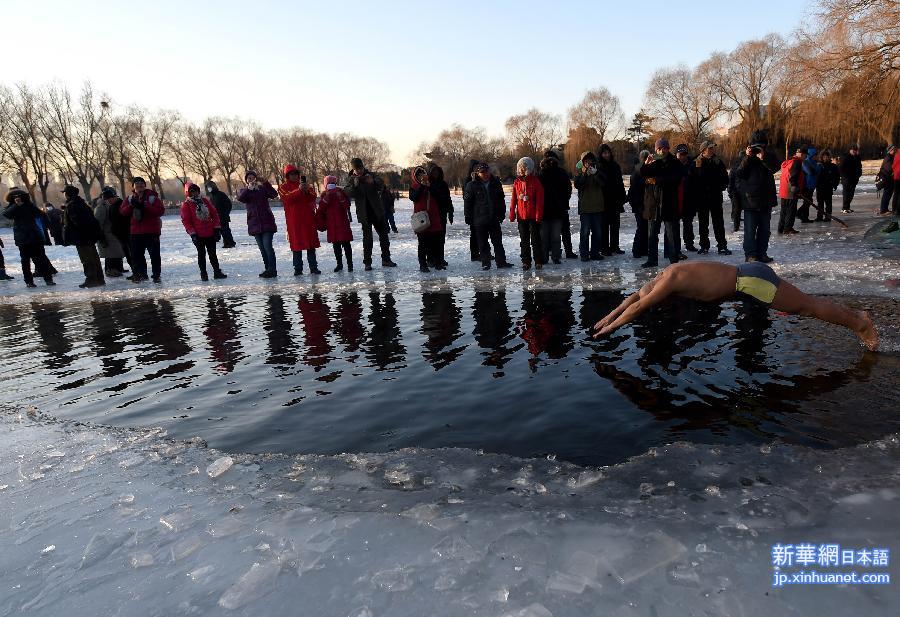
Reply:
x=440, y=191
x=590, y=181
x=120, y=225
x=636, y=200
x=201, y=222
x=790, y=188
x=334, y=209
x=28, y=237
x=557, y=191
x=223, y=206
x=144, y=208
x=828, y=181
x=663, y=172
x=850, y=171
x=527, y=207
x=109, y=248
x=614, y=199
x=430, y=237
x=710, y=179
x=255, y=195
x=299, y=199
x=364, y=187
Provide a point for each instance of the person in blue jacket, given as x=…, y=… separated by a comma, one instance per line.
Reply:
x=811, y=169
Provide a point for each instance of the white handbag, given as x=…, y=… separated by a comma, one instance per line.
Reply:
x=420, y=221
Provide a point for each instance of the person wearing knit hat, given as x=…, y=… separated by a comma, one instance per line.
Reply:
x=614, y=198
x=299, y=200
x=106, y=211
x=687, y=207
x=223, y=206
x=526, y=207
x=28, y=237
x=557, y=191
x=201, y=222
x=851, y=171
x=484, y=208
x=710, y=179
x=589, y=182
x=665, y=173
x=885, y=178
x=260, y=221
x=144, y=208
x=334, y=214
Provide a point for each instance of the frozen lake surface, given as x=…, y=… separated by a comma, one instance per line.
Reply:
x=711, y=443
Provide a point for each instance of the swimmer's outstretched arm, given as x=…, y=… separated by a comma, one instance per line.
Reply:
x=649, y=295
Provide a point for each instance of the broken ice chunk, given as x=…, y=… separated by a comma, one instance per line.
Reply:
x=219, y=467
x=255, y=583
x=140, y=560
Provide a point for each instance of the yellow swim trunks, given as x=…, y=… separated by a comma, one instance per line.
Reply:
x=756, y=281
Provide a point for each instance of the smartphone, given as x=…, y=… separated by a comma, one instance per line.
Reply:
x=302, y=179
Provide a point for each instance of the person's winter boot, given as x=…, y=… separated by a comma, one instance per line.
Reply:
x=204, y=276
x=724, y=252
x=387, y=263
x=315, y=270
x=4, y=276
x=48, y=281
x=218, y=274
x=349, y=265
x=424, y=268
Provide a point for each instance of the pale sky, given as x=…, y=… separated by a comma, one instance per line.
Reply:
x=397, y=71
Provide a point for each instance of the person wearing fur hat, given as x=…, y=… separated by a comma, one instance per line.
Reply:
x=81, y=230
x=110, y=250
x=557, y=191
x=614, y=199
x=260, y=221
x=299, y=199
x=28, y=237
x=334, y=208
x=201, y=222
x=526, y=206
x=590, y=181
x=758, y=141
x=223, y=206
x=664, y=172
x=364, y=188
x=145, y=209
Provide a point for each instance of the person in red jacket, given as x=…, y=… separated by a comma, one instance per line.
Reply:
x=430, y=237
x=145, y=209
x=334, y=208
x=299, y=199
x=527, y=206
x=790, y=188
x=201, y=221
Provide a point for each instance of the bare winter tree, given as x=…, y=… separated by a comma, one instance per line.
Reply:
x=22, y=143
x=226, y=148
x=746, y=78
x=683, y=101
x=117, y=133
x=72, y=132
x=600, y=110
x=194, y=149
x=151, y=148
x=533, y=132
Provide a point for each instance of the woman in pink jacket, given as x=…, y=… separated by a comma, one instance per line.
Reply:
x=334, y=208
x=201, y=222
x=527, y=207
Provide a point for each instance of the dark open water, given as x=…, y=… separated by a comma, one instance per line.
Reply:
x=508, y=371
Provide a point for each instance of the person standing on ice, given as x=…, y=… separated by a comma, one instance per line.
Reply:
x=589, y=181
x=557, y=192
x=790, y=188
x=334, y=208
x=687, y=207
x=299, y=199
x=886, y=177
x=428, y=238
x=829, y=180
x=851, y=172
x=223, y=206
x=260, y=221
x=28, y=237
x=614, y=199
x=485, y=208
x=81, y=230
x=636, y=200
x=145, y=210
x=387, y=200
x=811, y=169
x=664, y=172
x=526, y=206
x=121, y=225
x=365, y=188
x=440, y=191
x=710, y=179
x=201, y=221
x=3, y=275
x=109, y=247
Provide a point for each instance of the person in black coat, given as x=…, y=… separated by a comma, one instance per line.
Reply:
x=28, y=235
x=665, y=172
x=388, y=199
x=484, y=209
x=757, y=194
x=827, y=182
x=81, y=230
x=614, y=199
x=758, y=139
x=710, y=179
x=223, y=206
x=850, y=171
x=54, y=214
x=636, y=200
x=440, y=192
x=121, y=224
x=687, y=197
x=557, y=191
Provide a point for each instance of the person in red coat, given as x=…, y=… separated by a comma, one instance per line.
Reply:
x=429, y=238
x=334, y=209
x=144, y=208
x=299, y=199
x=527, y=206
x=201, y=221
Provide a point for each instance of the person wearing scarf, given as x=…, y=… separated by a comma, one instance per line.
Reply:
x=201, y=221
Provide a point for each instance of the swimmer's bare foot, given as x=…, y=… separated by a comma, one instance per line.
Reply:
x=868, y=334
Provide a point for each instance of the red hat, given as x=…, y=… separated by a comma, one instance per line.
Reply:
x=288, y=169
x=188, y=187
x=330, y=180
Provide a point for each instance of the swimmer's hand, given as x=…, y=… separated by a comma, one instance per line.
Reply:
x=601, y=328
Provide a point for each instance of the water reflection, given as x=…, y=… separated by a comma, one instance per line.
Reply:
x=682, y=370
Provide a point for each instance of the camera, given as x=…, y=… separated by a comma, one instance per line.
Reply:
x=302, y=179
x=755, y=150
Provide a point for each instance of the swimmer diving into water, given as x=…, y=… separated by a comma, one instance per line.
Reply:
x=715, y=282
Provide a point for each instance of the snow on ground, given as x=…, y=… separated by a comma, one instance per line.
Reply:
x=104, y=521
